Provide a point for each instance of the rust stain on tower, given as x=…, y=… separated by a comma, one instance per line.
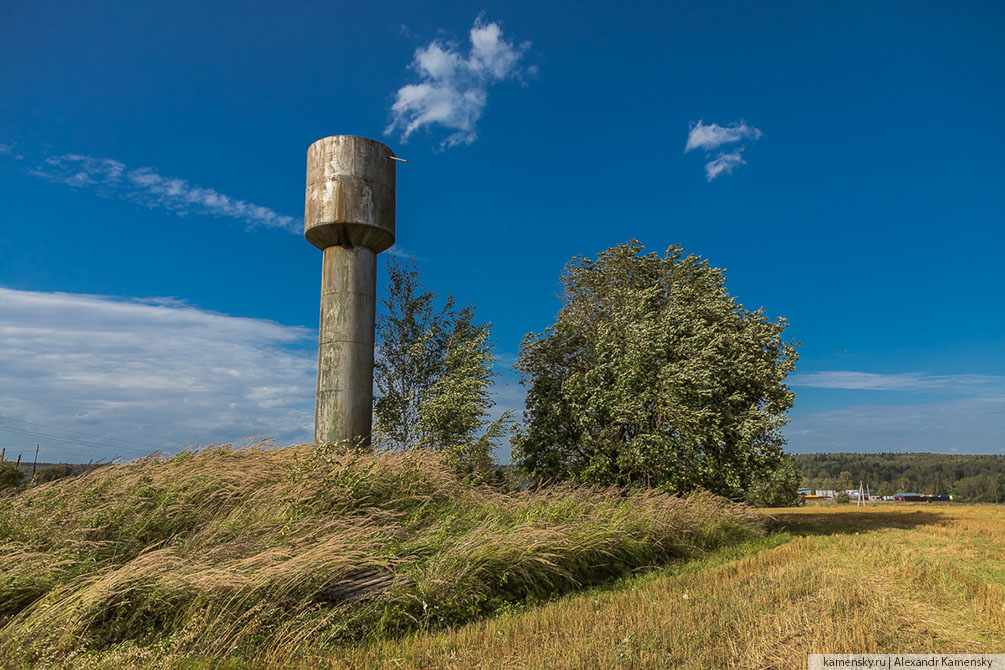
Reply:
x=349, y=215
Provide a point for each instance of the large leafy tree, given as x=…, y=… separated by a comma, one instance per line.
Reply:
x=652, y=373
x=433, y=371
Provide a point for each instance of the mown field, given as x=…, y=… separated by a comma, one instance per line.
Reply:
x=222, y=559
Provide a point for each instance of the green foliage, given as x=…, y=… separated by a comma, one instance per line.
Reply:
x=433, y=371
x=842, y=498
x=652, y=373
x=10, y=476
x=980, y=488
x=474, y=458
x=53, y=472
x=777, y=488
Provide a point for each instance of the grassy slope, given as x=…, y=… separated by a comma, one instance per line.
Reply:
x=894, y=579
x=829, y=579
x=226, y=553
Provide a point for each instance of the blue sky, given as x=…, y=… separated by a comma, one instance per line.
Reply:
x=842, y=161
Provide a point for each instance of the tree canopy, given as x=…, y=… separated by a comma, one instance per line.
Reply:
x=433, y=370
x=653, y=373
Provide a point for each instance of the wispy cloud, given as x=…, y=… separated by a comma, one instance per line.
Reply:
x=155, y=373
x=144, y=186
x=710, y=138
x=724, y=164
x=967, y=425
x=971, y=420
x=714, y=136
x=903, y=381
x=8, y=150
x=398, y=251
x=453, y=87
x=148, y=371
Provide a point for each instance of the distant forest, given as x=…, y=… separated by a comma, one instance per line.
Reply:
x=966, y=478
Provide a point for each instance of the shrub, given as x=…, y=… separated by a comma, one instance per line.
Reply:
x=53, y=472
x=842, y=498
x=777, y=488
x=10, y=476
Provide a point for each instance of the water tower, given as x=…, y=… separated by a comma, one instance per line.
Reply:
x=349, y=215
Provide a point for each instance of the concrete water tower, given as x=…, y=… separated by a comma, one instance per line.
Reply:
x=349, y=215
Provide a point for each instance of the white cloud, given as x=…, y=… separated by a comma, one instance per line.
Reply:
x=713, y=136
x=968, y=426
x=146, y=374
x=91, y=376
x=453, y=88
x=146, y=187
x=904, y=381
x=398, y=251
x=724, y=164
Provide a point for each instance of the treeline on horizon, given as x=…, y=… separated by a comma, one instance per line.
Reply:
x=967, y=477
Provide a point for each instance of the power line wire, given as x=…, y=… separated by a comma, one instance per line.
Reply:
x=78, y=432
x=114, y=450
x=71, y=442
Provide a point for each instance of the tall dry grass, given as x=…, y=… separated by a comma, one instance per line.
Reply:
x=829, y=580
x=227, y=553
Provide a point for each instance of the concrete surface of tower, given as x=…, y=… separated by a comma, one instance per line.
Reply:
x=349, y=215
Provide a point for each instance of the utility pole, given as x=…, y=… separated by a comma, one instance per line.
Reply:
x=35, y=464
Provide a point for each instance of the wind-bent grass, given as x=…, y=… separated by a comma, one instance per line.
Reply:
x=894, y=579
x=227, y=553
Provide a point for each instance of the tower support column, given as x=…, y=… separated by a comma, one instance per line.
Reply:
x=345, y=345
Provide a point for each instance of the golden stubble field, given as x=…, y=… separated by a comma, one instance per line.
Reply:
x=884, y=579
